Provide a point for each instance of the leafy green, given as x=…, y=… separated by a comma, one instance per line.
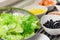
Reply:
x=17, y=27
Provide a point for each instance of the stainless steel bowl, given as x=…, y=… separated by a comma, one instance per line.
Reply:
x=19, y=11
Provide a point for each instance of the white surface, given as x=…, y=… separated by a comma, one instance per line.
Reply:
x=54, y=18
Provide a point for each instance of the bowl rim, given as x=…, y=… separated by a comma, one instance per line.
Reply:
x=54, y=13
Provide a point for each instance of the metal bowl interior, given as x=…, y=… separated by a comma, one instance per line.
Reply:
x=18, y=11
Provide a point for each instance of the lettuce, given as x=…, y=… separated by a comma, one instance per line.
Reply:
x=16, y=27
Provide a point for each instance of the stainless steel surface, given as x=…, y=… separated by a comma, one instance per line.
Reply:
x=24, y=3
x=8, y=2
